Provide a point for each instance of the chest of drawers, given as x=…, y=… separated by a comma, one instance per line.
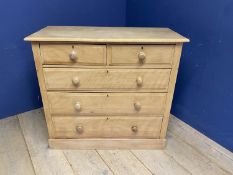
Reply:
x=106, y=88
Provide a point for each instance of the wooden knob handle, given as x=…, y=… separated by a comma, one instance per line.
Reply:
x=79, y=129
x=139, y=81
x=73, y=56
x=141, y=56
x=134, y=128
x=77, y=106
x=75, y=81
x=137, y=106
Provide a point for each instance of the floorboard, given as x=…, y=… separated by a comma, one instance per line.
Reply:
x=159, y=162
x=87, y=162
x=191, y=159
x=45, y=161
x=203, y=144
x=123, y=162
x=14, y=156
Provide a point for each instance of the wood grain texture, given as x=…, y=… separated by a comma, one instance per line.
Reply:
x=107, y=127
x=194, y=161
x=86, y=54
x=111, y=77
x=41, y=80
x=45, y=161
x=123, y=162
x=159, y=162
x=206, y=146
x=107, y=144
x=107, y=79
x=171, y=88
x=87, y=162
x=129, y=54
x=188, y=151
x=106, y=103
x=106, y=34
x=146, y=66
x=14, y=156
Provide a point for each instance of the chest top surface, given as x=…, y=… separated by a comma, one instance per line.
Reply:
x=106, y=35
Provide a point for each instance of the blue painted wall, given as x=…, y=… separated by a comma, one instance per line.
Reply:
x=19, y=91
x=204, y=91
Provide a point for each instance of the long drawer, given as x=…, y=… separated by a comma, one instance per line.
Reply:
x=81, y=54
x=78, y=104
x=107, y=127
x=155, y=80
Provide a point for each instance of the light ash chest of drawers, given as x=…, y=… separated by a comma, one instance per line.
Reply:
x=106, y=88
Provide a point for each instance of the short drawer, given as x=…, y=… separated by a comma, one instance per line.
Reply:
x=106, y=80
x=73, y=54
x=78, y=104
x=107, y=127
x=141, y=54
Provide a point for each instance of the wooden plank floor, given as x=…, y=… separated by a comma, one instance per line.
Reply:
x=24, y=151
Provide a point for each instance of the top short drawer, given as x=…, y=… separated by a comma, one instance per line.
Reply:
x=83, y=54
x=141, y=55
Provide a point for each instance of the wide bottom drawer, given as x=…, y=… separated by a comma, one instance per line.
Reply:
x=107, y=127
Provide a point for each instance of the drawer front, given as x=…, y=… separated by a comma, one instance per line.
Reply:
x=78, y=104
x=73, y=54
x=141, y=54
x=103, y=79
x=107, y=127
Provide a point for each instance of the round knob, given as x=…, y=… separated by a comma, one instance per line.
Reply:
x=79, y=129
x=73, y=55
x=139, y=81
x=75, y=81
x=141, y=56
x=137, y=106
x=77, y=106
x=134, y=128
